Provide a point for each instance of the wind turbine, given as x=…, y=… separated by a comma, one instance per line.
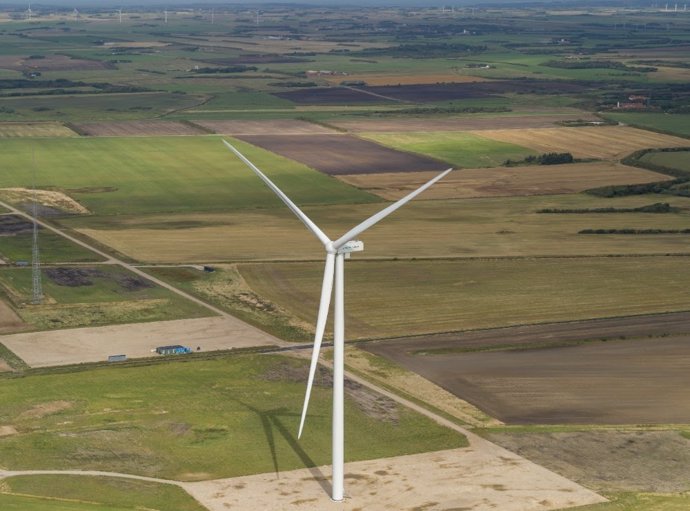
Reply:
x=336, y=252
x=29, y=12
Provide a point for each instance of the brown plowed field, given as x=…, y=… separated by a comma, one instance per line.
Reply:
x=505, y=181
x=136, y=129
x=586, y=142
x=638, y=381
x=465, y=123
x=273, y=127
x=343, y=154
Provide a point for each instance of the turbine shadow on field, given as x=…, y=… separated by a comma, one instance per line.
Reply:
x=270, y=420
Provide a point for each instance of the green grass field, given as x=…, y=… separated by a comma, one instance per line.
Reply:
x=399, y=298
x=84, y=493
x=641, y=502
x=113, y=296
x=148, y=174
x=460, y=149
x=196, y=420
x=94, y=107
x=675, y=160
x=676, y=124
x=53, y=248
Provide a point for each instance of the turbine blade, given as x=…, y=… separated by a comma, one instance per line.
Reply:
x=326, y=291
x=298, y=212
x=352, y=233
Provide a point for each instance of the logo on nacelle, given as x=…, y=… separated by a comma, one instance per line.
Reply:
x=351, y=246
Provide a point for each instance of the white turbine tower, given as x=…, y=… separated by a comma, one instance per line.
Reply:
x=119, y=12
x=29, y=13
x=336, y=252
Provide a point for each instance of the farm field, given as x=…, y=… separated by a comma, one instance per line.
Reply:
x=505, y=181
x=267, y=127
x=16, y=234
x=34, y=129
x=164, y=174
x=631, y=381
x=96, y=107
x=398, y=298
x=136, y=128
x=180, y=420
x=678, y=124
x=87, y=493
x=595, y=142
x=457, y=148
x=406, y=79
x=509, y=120
x=480, y=227
x=86, y=296
x=675, y=160
x=334, y=154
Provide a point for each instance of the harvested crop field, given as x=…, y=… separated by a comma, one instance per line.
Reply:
x=136, y=129
x=464, y=123
x=343, y=154
x=505, y=181
x=587, y=142
x=638, y=381
x=272, y=127
x=330, y=96
x=34, y=129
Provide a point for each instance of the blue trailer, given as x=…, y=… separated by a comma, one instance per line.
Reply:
x=175, y=349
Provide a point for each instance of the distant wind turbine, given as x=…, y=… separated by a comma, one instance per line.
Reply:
x=119, y=12
x=336, y=252
x=29, y=12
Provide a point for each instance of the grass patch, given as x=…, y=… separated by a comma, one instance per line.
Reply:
x=112, y=295
x=180, y=420
x=99, y=493
x=53, y=248
x=641, y=502
x=226, y=289
x=676, y=124
x=460, y=149
x=676, y=160
x=165, y=174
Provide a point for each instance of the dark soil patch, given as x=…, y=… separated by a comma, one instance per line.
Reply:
x=343, y=154
x=92, y=189
x=42, y=211
x=372, y=404
x=429, y=93
x=642, y=461
x=330, y=96
x=14, y=224
x=548, y=374
x=77, y=277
